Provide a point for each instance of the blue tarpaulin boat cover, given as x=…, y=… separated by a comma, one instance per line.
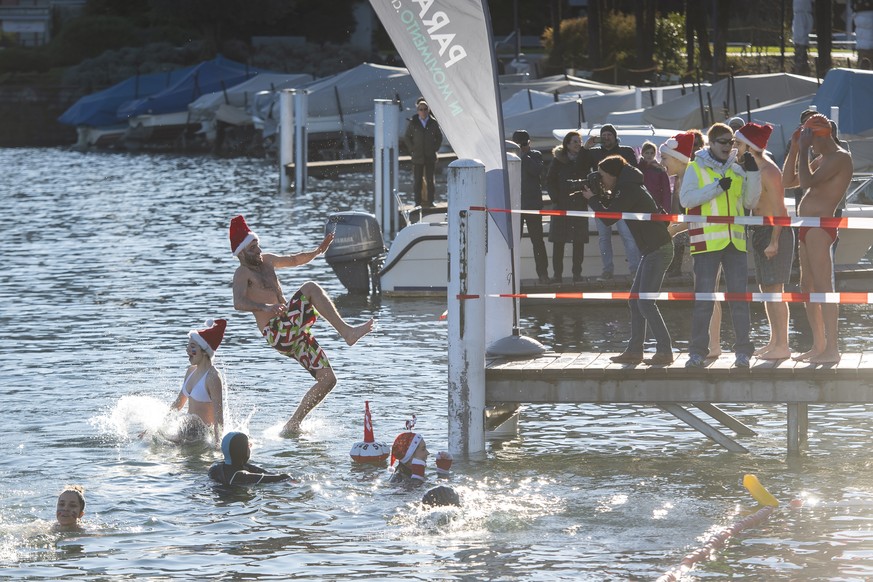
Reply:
x=207, y=77
x=100, y=109
x=852, y=91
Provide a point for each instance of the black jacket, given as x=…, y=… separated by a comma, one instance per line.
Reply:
x=630, y=195
x=423, y=142
x=559, y=182
x=598, y=154
x=531, y=180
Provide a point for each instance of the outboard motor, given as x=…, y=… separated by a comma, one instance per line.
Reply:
x=356, y=253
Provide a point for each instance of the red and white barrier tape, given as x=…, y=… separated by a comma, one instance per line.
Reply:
x=856, y=222
x=846, y=298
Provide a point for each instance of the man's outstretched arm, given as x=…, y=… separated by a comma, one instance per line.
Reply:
x=284, y=261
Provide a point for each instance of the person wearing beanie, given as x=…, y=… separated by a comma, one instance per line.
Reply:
x=410, y=453
x=623, y=190
x=532, y=199
x=824, y=183
x=772, y=247
x=202, y=386
x=236, y=469
x=717, y=184
x=609, y=146
x=286, y=324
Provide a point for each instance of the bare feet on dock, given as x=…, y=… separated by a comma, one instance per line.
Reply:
x=825, y=358
x=761, y=351
x=808, y=356
x=773, y=354
x=354, y=333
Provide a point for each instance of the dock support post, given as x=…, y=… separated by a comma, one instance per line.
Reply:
x=498, y=261
x=301, y=146
x=286, y=138
x=798, y=422
x=466, y=306
x=386, y=166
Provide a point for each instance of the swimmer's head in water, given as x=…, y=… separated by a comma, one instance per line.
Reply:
x=71, y=505
x=404, y=447
x=818, y=124
x=441, y=496
x=235, y=446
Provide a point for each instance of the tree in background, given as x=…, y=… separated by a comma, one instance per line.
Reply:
x=695, y=29
x=824, y=25
x=645, y=16
x=721, y=22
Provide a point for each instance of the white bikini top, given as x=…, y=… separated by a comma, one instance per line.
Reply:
x=199, y=392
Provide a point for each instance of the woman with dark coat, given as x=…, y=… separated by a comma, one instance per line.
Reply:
x=569, y=162
x=623, y=191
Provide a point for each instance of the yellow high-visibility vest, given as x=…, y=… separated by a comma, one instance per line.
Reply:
x=708, y=237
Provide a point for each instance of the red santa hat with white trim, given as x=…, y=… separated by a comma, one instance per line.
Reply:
x=754, y=135
x=404, y=447
x=241, y=235
x=680, y=146
x=210, y=337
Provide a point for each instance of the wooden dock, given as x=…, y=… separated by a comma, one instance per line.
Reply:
x=593, y=378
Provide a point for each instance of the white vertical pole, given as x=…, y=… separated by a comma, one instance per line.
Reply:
x=835, y=117
x=513, y=165
x=659, y=96
x=498, y=276
x=638, y=98
x=386, y=165
x=466, y=325
x=286, y=137
x=301, y=147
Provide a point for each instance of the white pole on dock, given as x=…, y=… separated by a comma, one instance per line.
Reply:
x=498, y=262
x=386, y=165
x=638, y=98
x=835, y=117
x=466, y=319
x=286, y=137
x=301, y=146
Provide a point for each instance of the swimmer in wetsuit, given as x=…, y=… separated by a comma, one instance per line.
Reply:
x=286, y=324
x=202, y=387
x=236, y=469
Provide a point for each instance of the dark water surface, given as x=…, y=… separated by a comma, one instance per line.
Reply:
x=111, y=258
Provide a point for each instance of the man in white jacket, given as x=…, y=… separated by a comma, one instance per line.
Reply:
x=715, y=184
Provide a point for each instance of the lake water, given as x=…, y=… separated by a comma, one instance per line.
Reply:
x=111, y=258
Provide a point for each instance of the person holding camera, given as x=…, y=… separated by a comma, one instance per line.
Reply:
x=569, y=166
x=617, y=186
x=716, y=184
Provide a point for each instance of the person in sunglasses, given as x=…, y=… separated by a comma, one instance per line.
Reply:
x=716, y=183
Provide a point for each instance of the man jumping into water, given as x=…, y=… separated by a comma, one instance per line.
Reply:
x=286, y=324
x=824, y=188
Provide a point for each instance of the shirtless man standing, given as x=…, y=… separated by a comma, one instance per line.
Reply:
x=824, y=188
x=773, y=246
x=286, y=324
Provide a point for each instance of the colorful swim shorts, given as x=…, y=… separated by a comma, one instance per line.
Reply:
x=289, y=334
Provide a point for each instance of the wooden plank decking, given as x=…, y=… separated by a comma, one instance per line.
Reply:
x=593, y=378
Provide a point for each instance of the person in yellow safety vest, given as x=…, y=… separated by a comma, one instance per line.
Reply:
x=717, y=184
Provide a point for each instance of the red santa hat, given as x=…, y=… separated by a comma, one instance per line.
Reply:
x=680, y=146
x=241, y=235
x=209, y=338
x=754, y=135
x=404, y=447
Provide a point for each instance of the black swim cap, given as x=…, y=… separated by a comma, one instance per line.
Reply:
x=441, y=496
x=235, y=446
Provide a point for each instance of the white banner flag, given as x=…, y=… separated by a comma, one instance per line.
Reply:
x=447, y=47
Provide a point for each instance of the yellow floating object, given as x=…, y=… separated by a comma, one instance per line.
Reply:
x=761, y=495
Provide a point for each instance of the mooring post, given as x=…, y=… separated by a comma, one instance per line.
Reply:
x=301, y=147
x=466, y=305
x=499, y=261
x=386, y=165
x=286, y=137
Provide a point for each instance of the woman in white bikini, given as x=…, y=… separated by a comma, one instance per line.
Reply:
x=202, y=386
